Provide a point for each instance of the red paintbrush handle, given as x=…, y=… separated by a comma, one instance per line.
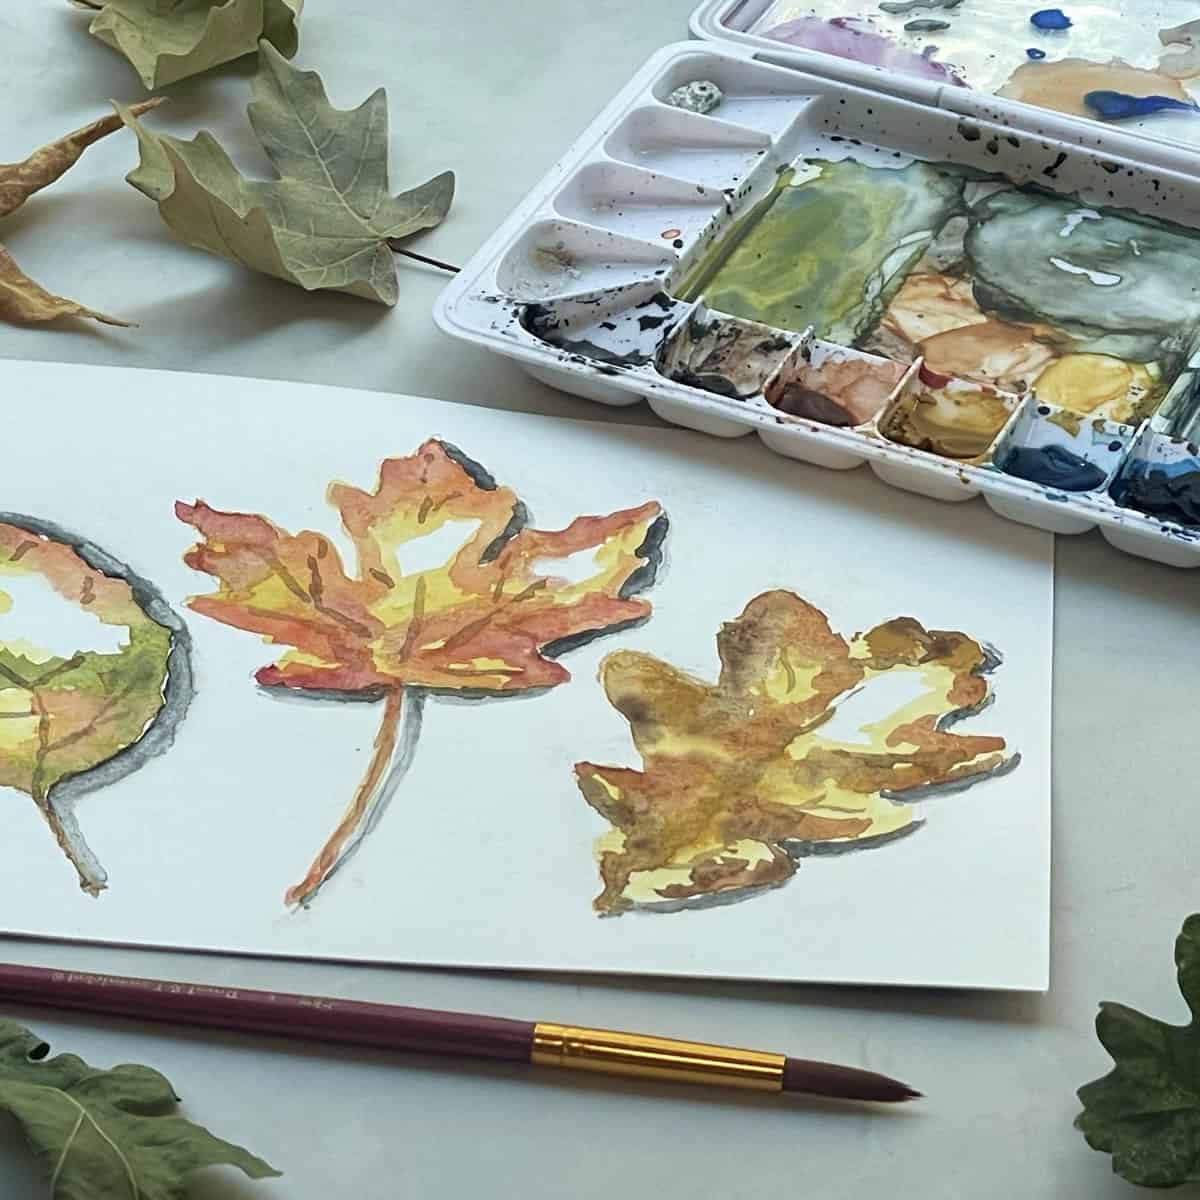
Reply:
x=350, y=1022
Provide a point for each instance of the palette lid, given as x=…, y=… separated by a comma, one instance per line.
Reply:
x=1099, y=64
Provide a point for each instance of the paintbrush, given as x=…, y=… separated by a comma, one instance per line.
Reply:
x=425, y=1031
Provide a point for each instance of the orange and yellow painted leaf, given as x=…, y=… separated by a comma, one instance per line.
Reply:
x=742, y=776
x=452, y=590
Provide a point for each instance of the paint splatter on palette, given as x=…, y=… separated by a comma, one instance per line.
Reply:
x=970, y=307
x=1138, y=67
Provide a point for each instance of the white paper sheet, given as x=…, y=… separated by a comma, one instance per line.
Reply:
x=486, y=856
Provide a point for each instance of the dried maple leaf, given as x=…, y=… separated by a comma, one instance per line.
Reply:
x=21, y=299
x=327, y=222
x=94, y=675
x=488, y=617
x=743, y=776
x=169, y=40
x=110, y=1134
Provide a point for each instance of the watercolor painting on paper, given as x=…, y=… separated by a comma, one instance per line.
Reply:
x=95, y=676
x=746, y=776
x=449, y=689
x=474, y=611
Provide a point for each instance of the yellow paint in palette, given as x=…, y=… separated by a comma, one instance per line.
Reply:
x=1098, y=385
x=948, y=417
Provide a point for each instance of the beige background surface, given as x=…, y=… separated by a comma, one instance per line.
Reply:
x=497, y=92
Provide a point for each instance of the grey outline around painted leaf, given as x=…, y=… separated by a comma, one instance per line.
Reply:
x=178, y=690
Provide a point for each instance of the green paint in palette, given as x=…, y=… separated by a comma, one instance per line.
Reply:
x=830, y=256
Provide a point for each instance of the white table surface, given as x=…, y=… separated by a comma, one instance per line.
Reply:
x=497, y=92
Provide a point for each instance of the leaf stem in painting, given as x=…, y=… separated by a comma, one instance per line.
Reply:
x=394, y=246
x=360, y=805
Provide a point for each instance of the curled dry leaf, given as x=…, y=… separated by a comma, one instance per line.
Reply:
x=169, y=40
x=94, y=675
x=1146, y=1111
x=21, y=299
x=743, y=776
x=486, y=616
x=327, y=221
x=99, y=1133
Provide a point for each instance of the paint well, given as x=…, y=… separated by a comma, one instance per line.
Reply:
x=1063, y=450
x=722, y=354
x=833, y=386
x=827, y=247
x=948, y=417
x=1162, y=479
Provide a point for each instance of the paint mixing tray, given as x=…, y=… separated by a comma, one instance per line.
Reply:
x=1007, y=308
x=1135, y=63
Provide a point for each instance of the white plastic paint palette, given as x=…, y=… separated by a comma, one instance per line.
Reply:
x=584, y=286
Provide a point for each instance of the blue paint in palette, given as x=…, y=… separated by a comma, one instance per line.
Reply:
x=1036, y=54
x=1050, y=18
x=1120, y=106
x=1164, y=482
x=1054, y=466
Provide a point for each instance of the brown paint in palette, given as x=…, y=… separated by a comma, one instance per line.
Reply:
x=833, y=385
x=948, y=417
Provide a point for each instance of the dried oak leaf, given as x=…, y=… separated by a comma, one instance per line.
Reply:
x=327, y=221
x=1146, y=1111
x=106, y=1133
x=487, y=616
x=21, y=299
x=740, y=778
x=90, y=659
x=169, y=40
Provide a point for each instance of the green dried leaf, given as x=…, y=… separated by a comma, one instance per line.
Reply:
x=1146, y=1111
x=169, y=40
x=106, y=1133
x=327, y=221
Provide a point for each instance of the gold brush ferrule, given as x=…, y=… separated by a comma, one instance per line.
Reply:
x=640, y=1056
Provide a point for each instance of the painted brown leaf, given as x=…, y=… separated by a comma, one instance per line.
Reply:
x=485, y=615
x=22, y=300
x=743, y=776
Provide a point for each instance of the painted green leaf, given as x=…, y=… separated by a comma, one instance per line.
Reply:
x=106, y=1134
x=1146, y=1111
x=327, y=221
x=94, y=675
x=169, y=40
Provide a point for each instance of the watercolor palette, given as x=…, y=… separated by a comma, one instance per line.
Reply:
x=968, y=306
x=1139, y=70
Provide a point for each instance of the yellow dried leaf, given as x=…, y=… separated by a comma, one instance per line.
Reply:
x=21, y=299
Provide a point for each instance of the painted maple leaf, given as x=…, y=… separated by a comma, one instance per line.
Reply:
x=486, y=616
x=744, y=776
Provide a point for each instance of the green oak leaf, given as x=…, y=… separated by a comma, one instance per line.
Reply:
x=1146, y=1111
x=106, y=1133
x=327, y=221
x=169, y=40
